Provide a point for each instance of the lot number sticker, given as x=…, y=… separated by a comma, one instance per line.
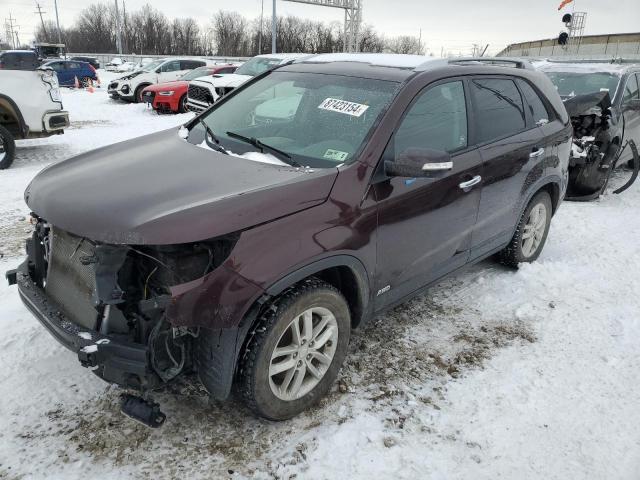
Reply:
x=336, y=155
x=342, y=106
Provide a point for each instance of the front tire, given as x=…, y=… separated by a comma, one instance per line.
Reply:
x=531, y=234
x=296, y=350
x=7, y=148
x=182, y=104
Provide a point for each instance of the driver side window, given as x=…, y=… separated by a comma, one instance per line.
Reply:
x=437, y=120
x=173, y=66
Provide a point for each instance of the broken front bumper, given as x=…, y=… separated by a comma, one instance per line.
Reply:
x=112, y=359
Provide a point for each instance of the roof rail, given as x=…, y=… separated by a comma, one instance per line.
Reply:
x=492, y=61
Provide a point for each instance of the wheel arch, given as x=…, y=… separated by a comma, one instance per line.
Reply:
x=9, y=108
x=345, y=272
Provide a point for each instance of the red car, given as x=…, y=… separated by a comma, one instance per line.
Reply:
x=172, y=96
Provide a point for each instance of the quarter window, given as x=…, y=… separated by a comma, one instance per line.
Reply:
x=536, y=106
x=631, y=89
x=437, y=120
x=499, y=109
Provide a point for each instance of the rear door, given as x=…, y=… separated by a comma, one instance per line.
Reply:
x=425, y=224
x=631, y=115
x=62, y=73
x=513, y=150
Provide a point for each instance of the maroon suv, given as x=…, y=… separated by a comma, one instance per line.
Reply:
x=248, y=244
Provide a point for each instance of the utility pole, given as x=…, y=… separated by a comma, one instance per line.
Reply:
x=44, y=29
x=124, y=22
x=12, y=33
x=55, y=3
x=118, y=37
x=273, y=28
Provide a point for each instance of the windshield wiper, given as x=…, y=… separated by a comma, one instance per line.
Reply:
x=209, y=133
x=284, y=156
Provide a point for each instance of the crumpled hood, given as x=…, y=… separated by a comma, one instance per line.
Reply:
x=228, y=80
x=160, y=189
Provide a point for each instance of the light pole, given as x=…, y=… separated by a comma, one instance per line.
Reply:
x=273, y=29
x=261, y=23
x=55, y=3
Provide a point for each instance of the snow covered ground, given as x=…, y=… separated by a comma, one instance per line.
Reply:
x=494, y=374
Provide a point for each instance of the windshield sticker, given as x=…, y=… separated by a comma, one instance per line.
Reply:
x=336, y=155
x=342, y=106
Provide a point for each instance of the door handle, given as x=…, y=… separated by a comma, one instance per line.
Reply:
x=470, y=183
x=536, y=153
x=437, y=166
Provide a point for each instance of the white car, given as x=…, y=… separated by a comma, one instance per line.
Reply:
x=113, y=65
x=204, y=91
x=163, y=70
x=30, y=105
x=127, y=67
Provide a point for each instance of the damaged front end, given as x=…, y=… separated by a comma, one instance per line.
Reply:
x=110, y=303
x=596, y=147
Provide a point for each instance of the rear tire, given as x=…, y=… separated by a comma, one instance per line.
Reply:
x=7, y=148
x=531, y=233
x=285, y=371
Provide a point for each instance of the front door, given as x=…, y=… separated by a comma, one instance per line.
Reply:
x=425, y=224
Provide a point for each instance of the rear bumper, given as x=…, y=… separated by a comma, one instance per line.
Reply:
x=112, y=359
x=55, y=121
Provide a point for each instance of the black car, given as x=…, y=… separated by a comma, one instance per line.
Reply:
x=93, y=61
x=253, y=261
x=19, y=60
x=603, y=100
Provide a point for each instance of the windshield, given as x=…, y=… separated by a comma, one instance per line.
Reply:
x=196, y=72
x=317, y=120
x=570, y=84
x=258, y=65
x=149, y=67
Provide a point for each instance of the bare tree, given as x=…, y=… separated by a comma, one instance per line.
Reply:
x=404, y=44
x=230, y=34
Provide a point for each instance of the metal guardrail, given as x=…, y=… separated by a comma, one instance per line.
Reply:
x=105, y=58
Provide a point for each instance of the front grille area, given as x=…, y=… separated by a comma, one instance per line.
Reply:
x=148, y=97
x=70, y=283
x=200, y=94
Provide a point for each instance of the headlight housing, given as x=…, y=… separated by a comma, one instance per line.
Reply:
x=166, y=94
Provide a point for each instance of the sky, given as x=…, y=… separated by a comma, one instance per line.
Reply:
x=452, y=25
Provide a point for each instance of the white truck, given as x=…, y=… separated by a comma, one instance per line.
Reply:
x=30, y=103
x=130, y=86
x=204, y=91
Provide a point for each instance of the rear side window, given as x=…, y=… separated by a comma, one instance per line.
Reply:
x=190, y=64
x=74, y=66
x=18, y=61
x=226, y=70
x=499, y=109
x=436, y=120
x=631, y=89
x=535, y=104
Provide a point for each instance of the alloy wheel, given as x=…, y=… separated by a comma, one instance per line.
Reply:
x=3, y=150
x=303, y=354
x=534, y=229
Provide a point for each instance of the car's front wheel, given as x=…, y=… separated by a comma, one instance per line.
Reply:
x=295, y=351
x=531, y=232
x=7, y=148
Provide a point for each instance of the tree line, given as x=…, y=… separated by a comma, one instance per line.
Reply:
x=148, y=31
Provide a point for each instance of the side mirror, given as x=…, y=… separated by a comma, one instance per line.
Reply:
x=418, y=162
x=632, y=105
